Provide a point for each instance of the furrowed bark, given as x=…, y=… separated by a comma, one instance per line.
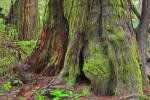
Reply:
x=73, y=60
x=24, y=15
x=103, y=48
x=111, y=51
x=48, y=58
x=122, y=48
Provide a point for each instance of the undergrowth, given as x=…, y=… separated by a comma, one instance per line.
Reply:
x=60, y=94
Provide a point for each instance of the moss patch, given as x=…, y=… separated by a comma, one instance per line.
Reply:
x=97, y=69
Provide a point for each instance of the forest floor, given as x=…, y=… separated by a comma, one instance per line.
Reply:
x=38, y=88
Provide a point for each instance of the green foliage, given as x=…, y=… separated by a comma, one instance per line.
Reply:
x=5, y=4
x=58, y=94
x=2, y=26
x=6, y=63
x=16, y=81
x=40, y=94
x=9, y=31
x=27, y=46
x=85, y=92
x=5, y=88
x=8, y=85
x=40, y=97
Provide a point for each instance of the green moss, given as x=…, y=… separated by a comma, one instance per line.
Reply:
x=133, y=69
x=6, y=63
x=27, y=46
x=96, y=67
x=74, y=11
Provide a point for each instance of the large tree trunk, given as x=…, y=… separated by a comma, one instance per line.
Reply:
x=24, y=14
x=120, y=49
x=48, y=58
x=77, y=15
x=104, y=48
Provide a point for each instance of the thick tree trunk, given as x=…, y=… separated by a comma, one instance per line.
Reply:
x=118, y=47
x=103, y=49
x=77, y=15
x=106, y=48
x=48, y=58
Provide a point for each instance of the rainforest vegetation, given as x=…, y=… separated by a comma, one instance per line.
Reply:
x=74, y=49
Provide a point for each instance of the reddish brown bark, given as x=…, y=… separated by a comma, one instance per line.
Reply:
x=24, y=15
x=48, y=58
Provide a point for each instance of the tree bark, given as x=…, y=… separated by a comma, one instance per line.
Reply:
x=24, y=15
x=142, y=35
x=106, y=49
x=77, y=15
x=103, y=48
x=48, y=58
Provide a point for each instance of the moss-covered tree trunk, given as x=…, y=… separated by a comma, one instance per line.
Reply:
x=77, y=15
x=104, y=48
x=48, y=58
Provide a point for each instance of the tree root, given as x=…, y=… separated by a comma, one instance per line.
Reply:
x=132, y=96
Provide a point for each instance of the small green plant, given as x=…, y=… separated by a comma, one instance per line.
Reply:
x=40, y=94
x=6, y=88
x=16, y=81
x=85, y=92
x=58, y=94
x=40, y=97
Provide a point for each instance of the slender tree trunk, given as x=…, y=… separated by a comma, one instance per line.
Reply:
x=48, y=58
x=142, y=35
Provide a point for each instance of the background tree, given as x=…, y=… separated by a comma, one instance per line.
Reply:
x=24, y=14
